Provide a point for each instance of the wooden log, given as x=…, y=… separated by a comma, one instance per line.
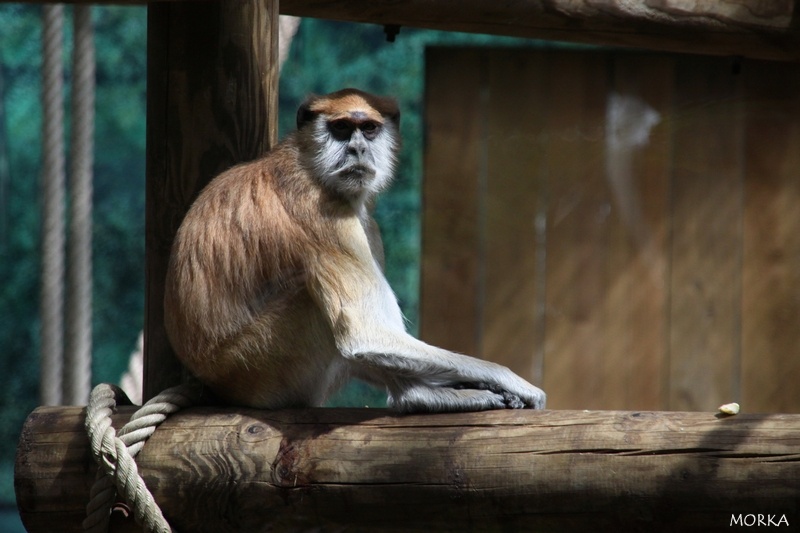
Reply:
x=221, y=470
x=212, y=89
x=748, y=28
x=764, y=29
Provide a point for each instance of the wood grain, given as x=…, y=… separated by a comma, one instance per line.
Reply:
x=659, y=273
x=212, y=103
x=637, y=168
x=577, y=231
x=515, y=211
x=452, y=191
x=707, y=189
x=368, y=470
x=771, y=287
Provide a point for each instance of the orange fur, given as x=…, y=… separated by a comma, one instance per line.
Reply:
x=343, y=103
x=238, y=276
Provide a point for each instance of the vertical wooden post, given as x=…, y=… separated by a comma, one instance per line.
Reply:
x=212, y=87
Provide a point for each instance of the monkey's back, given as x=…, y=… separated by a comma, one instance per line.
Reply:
x=238, y=312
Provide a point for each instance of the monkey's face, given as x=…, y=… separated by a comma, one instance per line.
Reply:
x=357, y=153
x=355, y=144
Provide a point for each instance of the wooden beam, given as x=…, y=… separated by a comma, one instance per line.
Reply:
x=212, y=89
x=749, y=28
x=764, y=29
x=222, y=470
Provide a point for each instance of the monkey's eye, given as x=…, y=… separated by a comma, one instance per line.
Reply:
x=341, y=129
x=370, y=129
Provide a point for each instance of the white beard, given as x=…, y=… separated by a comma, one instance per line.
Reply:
x=357, y=177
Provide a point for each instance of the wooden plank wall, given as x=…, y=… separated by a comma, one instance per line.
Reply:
x=621, y=228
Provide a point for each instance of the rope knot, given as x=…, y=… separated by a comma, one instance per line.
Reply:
x=114, y=454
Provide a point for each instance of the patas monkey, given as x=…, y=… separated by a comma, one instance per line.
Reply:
x=275, y=292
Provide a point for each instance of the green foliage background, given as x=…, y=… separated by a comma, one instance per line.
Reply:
x=325, y=56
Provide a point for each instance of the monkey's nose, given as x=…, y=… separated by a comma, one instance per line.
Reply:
x=358, y=148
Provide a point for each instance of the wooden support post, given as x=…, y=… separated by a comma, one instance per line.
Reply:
x=370, y=470
x=211, y=103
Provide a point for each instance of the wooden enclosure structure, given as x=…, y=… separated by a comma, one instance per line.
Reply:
x=221, y=471
x=211, y=102
x=626, y=231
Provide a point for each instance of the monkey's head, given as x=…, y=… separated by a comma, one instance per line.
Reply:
x=350, y=139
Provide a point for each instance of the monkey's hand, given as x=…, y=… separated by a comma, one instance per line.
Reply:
x=512, y=401
x=536, y=397
x=517, y=393
x=460, y=397
x=520, y=394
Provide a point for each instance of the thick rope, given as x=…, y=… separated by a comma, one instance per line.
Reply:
x=114, y=454
x=78, y=352
x=52, y=289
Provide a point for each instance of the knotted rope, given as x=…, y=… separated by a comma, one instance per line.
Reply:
x=114, y=454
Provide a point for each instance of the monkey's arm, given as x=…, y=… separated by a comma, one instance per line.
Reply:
x=421, y=377
x=369, y=333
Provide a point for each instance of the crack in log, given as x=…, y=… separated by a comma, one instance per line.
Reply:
x=715, y=453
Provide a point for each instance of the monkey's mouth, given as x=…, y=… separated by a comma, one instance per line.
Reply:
x=357, y=172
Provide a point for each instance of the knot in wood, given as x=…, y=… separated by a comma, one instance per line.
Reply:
x=287, y=470
x=255, y=429
x=254, y=432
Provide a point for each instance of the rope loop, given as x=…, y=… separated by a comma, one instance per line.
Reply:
x=114, y=454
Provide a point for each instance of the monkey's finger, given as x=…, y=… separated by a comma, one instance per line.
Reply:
x=513, y=401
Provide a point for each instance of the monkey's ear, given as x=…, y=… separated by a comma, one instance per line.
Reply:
x=305, y=114
x=395, y=117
